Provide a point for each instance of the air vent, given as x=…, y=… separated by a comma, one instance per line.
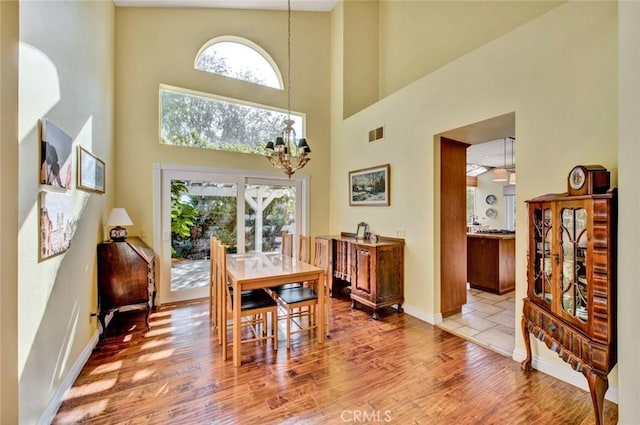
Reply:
x=376, y=134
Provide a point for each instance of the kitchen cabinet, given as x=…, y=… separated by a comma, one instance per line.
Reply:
x=126, y=278
x=571, y=284
x=491, y=262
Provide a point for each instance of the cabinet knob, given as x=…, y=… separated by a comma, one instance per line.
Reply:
x=552, y=327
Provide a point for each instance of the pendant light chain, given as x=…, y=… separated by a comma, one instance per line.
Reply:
x=288, y=153
x=289, y=59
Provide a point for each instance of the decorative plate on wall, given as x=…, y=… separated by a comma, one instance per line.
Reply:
x=491, y=199
x=491, y=213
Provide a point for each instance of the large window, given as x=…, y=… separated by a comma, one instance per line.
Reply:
x=200, y=120
x=241, y=59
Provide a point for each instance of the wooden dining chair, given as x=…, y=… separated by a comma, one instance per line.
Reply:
x=255, y=308
x=286, y=249
x=298, y=300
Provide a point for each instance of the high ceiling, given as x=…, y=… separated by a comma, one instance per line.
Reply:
x=304, y=5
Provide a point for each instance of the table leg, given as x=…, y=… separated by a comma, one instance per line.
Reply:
x=320, y=309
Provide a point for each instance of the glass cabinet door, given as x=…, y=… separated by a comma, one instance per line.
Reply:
x=543, y=264
x=574, y=265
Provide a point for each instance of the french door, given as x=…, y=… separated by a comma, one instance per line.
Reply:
x=246, y=212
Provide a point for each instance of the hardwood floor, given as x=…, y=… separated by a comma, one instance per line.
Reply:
x=397, y=370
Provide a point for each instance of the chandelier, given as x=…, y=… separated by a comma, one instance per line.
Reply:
x=288, y=153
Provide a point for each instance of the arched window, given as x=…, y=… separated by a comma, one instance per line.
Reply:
x=241, y=59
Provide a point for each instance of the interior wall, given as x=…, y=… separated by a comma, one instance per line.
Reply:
x=418, y=37
x=361, y=62
x=66, y=74
x=486, y=186
x=567, y=114
x=629, y=205
x=9, y=34
x=159, y=46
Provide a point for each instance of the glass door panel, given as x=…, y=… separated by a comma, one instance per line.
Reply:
x=199, y=210
x=270, y=209
x=543, y=264
x=574, y=267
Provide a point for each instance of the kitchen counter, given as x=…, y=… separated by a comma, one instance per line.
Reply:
x=492, y=235
x=491, y=261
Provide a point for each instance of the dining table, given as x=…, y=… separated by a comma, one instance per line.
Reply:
x=256, y=270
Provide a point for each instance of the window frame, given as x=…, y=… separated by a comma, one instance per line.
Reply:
x=294, y=114
x=247, y=43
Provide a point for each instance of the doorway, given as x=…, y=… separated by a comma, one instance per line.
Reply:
x=486, y=318
x=245, y=210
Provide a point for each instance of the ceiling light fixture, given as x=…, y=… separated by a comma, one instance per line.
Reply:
x=500, y=174
x=512, y=176
x=288, y=153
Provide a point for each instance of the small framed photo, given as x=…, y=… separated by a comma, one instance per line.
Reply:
x=369, y=186
x=362, y=230
x=90, y=171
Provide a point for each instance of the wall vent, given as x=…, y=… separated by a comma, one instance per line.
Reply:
x=376, y=134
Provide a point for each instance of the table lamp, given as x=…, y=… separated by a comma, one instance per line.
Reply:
x=118, y=217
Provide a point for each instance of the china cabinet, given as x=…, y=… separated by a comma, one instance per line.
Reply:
x=570, y=303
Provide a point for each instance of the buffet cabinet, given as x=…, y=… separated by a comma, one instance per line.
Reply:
x=571, y=292
x=126, y=278
x=374, y=270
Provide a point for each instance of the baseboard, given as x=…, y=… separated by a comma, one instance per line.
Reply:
x=564, y=373
x=54, y=404
x=432, y=319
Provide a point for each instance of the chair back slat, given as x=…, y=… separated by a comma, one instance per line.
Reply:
x=287, y=244
x=304, y=248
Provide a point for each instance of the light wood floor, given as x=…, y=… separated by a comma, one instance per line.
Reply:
x=397, y=370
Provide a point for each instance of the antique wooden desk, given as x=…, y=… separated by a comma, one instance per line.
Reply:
x=261, y=270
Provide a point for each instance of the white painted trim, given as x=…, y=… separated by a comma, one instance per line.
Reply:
x=563, y=372
x=432, y=319
x=56, y=401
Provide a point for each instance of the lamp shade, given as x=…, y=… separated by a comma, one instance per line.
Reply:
x=119, y=217
x=500, y=175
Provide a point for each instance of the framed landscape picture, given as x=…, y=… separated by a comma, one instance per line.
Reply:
x=369, y=186
x=90, y=171
x=55, y=156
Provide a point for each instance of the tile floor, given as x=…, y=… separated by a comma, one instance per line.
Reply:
x=486, y=319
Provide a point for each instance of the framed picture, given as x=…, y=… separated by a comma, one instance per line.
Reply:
x=361, y=230
x=55, y=156
x=90, y=171
x=369, y=186
x=56, y=223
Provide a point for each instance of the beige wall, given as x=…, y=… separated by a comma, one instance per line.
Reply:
x=361, y=61
x=486, y=186
x=159, y=46
x=418, y=37
x=66, y=74
x=629, y=205
x=555, y=72
x=9, y=212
